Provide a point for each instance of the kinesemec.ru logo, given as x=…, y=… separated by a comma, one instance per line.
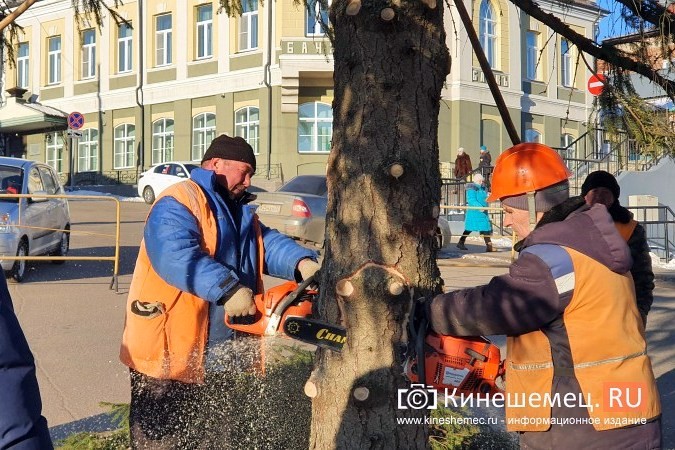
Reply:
x=417, y=396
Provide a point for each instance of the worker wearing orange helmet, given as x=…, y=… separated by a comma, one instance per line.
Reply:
x=568, y=308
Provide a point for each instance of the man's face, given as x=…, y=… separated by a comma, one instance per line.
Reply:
x=600, y=195
x=235, y=176
x=518, y=220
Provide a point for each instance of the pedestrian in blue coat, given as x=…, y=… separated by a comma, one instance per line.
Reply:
x=22, y=425
x=477, y=219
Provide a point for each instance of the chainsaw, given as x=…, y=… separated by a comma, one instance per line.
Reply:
x=466, y=365
x=286, y=310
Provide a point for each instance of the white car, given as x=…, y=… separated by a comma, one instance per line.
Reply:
x=159, y=177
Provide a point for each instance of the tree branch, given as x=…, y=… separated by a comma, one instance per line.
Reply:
x=606, y=53
x=11, y=17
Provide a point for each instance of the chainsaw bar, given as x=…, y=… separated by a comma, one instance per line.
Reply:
x=321, y=334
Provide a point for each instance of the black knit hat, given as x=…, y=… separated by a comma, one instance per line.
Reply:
x=232, y=148
x=599, y=179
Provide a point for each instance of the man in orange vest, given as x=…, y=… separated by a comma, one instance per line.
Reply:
x=577, y=370
x=200, y=258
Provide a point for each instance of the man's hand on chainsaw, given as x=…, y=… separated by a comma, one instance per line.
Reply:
x=307, y=268
x=240, y=303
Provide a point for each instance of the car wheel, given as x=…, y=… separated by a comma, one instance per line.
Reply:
x=149, y=195
x=63, y=247
x=18, y=271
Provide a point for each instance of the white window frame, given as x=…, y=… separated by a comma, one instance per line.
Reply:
x=124, y=146
x=54, y=151
x=162, y=140
x=87, y=151
x=532, y=55
x=246, y=127
x=566, y=69
x=315, y=13
x=488, y=32
x=23, y=65
x=204, y=28
x=532, y=135
x=202, y=134
x=124, y=49
x=88, y=54
x=314, y=137
x=566, y=139
x=54, y=60
x=248, y=25
x=163, y=44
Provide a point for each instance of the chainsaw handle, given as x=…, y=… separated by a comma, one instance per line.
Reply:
x=290, y=298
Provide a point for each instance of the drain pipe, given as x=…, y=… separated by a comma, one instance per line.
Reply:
x=267, y=79
x=139, y=90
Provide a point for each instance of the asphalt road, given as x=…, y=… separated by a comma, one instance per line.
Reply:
x=73, y=321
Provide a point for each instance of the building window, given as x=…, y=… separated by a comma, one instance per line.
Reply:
x=247, y=125
x=124, y=46
x=315, y=127
x=532, y=55
x=569, y=147
x=54, y=155
x=203, y=132
x=248, y=25
x=54, y=60
x=163, y=38
x=22, y=65
x=87, y=151
x=88, y=54
x=204, y=31
x=532, y=135
x=488, y=32
x=162, y=141
x=317, y=17
x=566, y=72
x=125, y=140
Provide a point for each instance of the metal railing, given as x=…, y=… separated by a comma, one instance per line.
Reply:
x=659, y=224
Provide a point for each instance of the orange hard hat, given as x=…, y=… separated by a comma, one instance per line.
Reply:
x=526, y=167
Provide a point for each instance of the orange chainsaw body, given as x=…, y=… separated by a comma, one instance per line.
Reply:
x=265, y=321
x=471, y=365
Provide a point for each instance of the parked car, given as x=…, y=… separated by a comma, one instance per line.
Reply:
x=298, y=209
x=31, y=226
x=160, y=176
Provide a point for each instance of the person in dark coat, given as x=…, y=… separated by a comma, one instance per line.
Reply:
x=602, y=187
x=477, y=219
x=462, y=164
x=485, y=164
x=22, y=425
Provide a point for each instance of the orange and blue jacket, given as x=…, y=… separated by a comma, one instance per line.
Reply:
x=195, y=250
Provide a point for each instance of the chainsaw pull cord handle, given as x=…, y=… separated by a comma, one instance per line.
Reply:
x=290, y=298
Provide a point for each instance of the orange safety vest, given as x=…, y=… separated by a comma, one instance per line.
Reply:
x=614, y=363
x=626, y=229
x=171, y=343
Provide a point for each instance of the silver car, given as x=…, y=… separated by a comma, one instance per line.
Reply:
x=298, y=209
x=34, y=225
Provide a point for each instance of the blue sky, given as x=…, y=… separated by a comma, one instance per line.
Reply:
x=612, y=25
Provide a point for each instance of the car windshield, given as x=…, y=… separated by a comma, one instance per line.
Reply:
x=306, y=185
x=10, y=182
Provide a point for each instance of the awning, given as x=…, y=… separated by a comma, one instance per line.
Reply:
x=21, y=117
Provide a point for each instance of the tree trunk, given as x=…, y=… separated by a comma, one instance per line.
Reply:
x=383, y=198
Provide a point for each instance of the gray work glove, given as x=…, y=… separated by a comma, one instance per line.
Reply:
x=240, y=303
x=307, y=268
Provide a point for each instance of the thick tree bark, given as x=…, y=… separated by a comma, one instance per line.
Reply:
x=384, y=193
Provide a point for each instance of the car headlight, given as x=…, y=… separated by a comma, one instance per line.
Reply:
x=5, y=223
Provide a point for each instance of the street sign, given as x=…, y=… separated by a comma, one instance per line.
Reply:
x=74, y=133
x=596, y=84
x=75, y=120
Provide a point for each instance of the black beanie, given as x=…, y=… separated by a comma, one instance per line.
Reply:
x=599, y=179
x=232, y=148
